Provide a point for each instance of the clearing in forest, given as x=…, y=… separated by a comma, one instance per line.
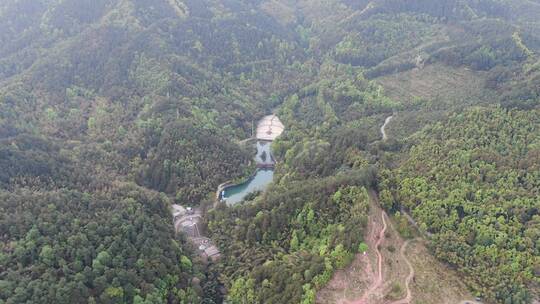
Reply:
x=394, y=271
x=436, y=82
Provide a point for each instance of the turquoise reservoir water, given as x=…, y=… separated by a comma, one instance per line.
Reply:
x=259, y=182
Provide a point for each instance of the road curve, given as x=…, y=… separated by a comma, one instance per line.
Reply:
x=379, y=281
x=409, y=278
x=383, y=128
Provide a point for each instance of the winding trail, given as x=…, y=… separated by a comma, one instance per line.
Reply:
x=408, y=297
x=357, y=14
x=375, y=291
x=378, y=282
x=383, y=128
x=377, y=247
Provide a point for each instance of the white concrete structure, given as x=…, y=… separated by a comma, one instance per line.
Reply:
x=269, y=128
x=186, y=220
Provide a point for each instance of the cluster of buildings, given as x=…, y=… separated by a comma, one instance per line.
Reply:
x=187, y=220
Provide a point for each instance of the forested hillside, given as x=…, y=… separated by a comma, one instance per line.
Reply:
x=473, y=182
x=101, y=98
x=112, y=110
x=285, y=244
x=68, y=246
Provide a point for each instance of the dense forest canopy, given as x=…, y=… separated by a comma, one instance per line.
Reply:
x=473, y=182
x=112, y=110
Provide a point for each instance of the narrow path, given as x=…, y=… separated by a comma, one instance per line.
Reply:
x=383, y=128
x=408, y=297
x=377, y=283
x=356, y=14
x=379, y=241
x=413, y=223
x=374, y=293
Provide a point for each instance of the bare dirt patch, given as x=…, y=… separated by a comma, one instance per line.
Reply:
x=429, y=92
x=408, y=273
x=435, y=82
x=369, y=278
x=386, y=275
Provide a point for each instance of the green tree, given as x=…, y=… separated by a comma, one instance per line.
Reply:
x=363, y=247
x=47, y=255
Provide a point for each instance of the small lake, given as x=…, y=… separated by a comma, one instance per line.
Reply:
x=258, y=182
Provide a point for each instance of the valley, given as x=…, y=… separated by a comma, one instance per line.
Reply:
x=336, y=151
x=268, y=129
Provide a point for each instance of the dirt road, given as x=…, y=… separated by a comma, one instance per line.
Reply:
x=371, y=276
x=383, y=128
x=409, y=278
x=365, y=283
x=378, y=282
